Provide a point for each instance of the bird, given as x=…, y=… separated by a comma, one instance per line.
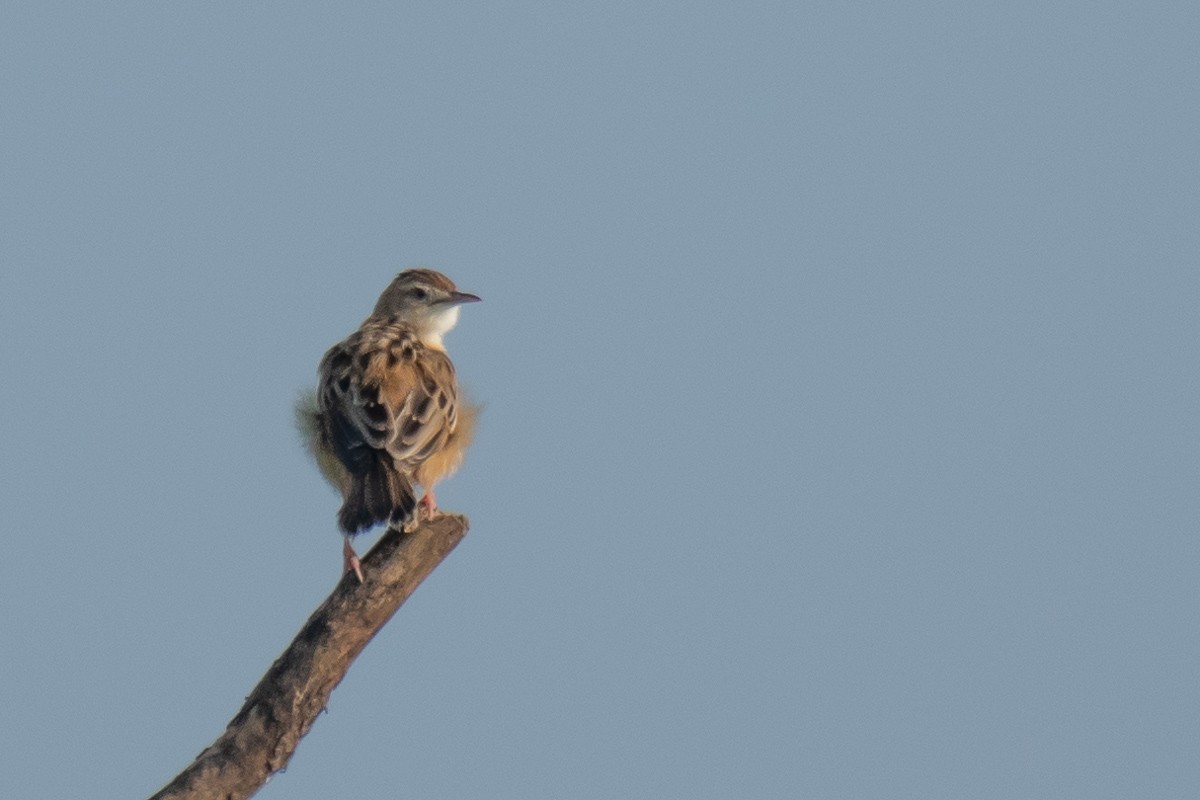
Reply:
x=387, y=414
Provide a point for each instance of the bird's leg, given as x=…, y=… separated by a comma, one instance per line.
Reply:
x=429, y=504
x=350, y=562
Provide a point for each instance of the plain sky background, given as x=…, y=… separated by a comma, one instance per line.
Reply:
x=839, y=363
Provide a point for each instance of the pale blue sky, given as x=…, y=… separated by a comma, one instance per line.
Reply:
x=839, y=362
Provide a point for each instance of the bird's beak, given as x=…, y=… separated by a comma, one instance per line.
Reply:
x=456, y=298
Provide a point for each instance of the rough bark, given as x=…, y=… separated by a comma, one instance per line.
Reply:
x=261, y=738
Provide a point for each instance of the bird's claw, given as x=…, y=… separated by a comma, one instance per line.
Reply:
x=428, y=505
x=350, y=562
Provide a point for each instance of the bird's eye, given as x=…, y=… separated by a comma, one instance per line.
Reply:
x=420, y=294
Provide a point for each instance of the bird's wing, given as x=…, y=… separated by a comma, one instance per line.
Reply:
x=381, y=389
x=422, y=394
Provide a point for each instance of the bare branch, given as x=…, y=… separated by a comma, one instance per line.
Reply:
x=260, y=740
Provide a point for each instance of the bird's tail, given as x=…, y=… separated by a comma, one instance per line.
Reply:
x=378, y=494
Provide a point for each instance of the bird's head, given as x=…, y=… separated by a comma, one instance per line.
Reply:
x=425, y=299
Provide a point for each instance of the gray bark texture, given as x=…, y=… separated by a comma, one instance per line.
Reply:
x=261, y=738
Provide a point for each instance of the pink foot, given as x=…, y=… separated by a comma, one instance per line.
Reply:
x=429, y=504
x=350, y=562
